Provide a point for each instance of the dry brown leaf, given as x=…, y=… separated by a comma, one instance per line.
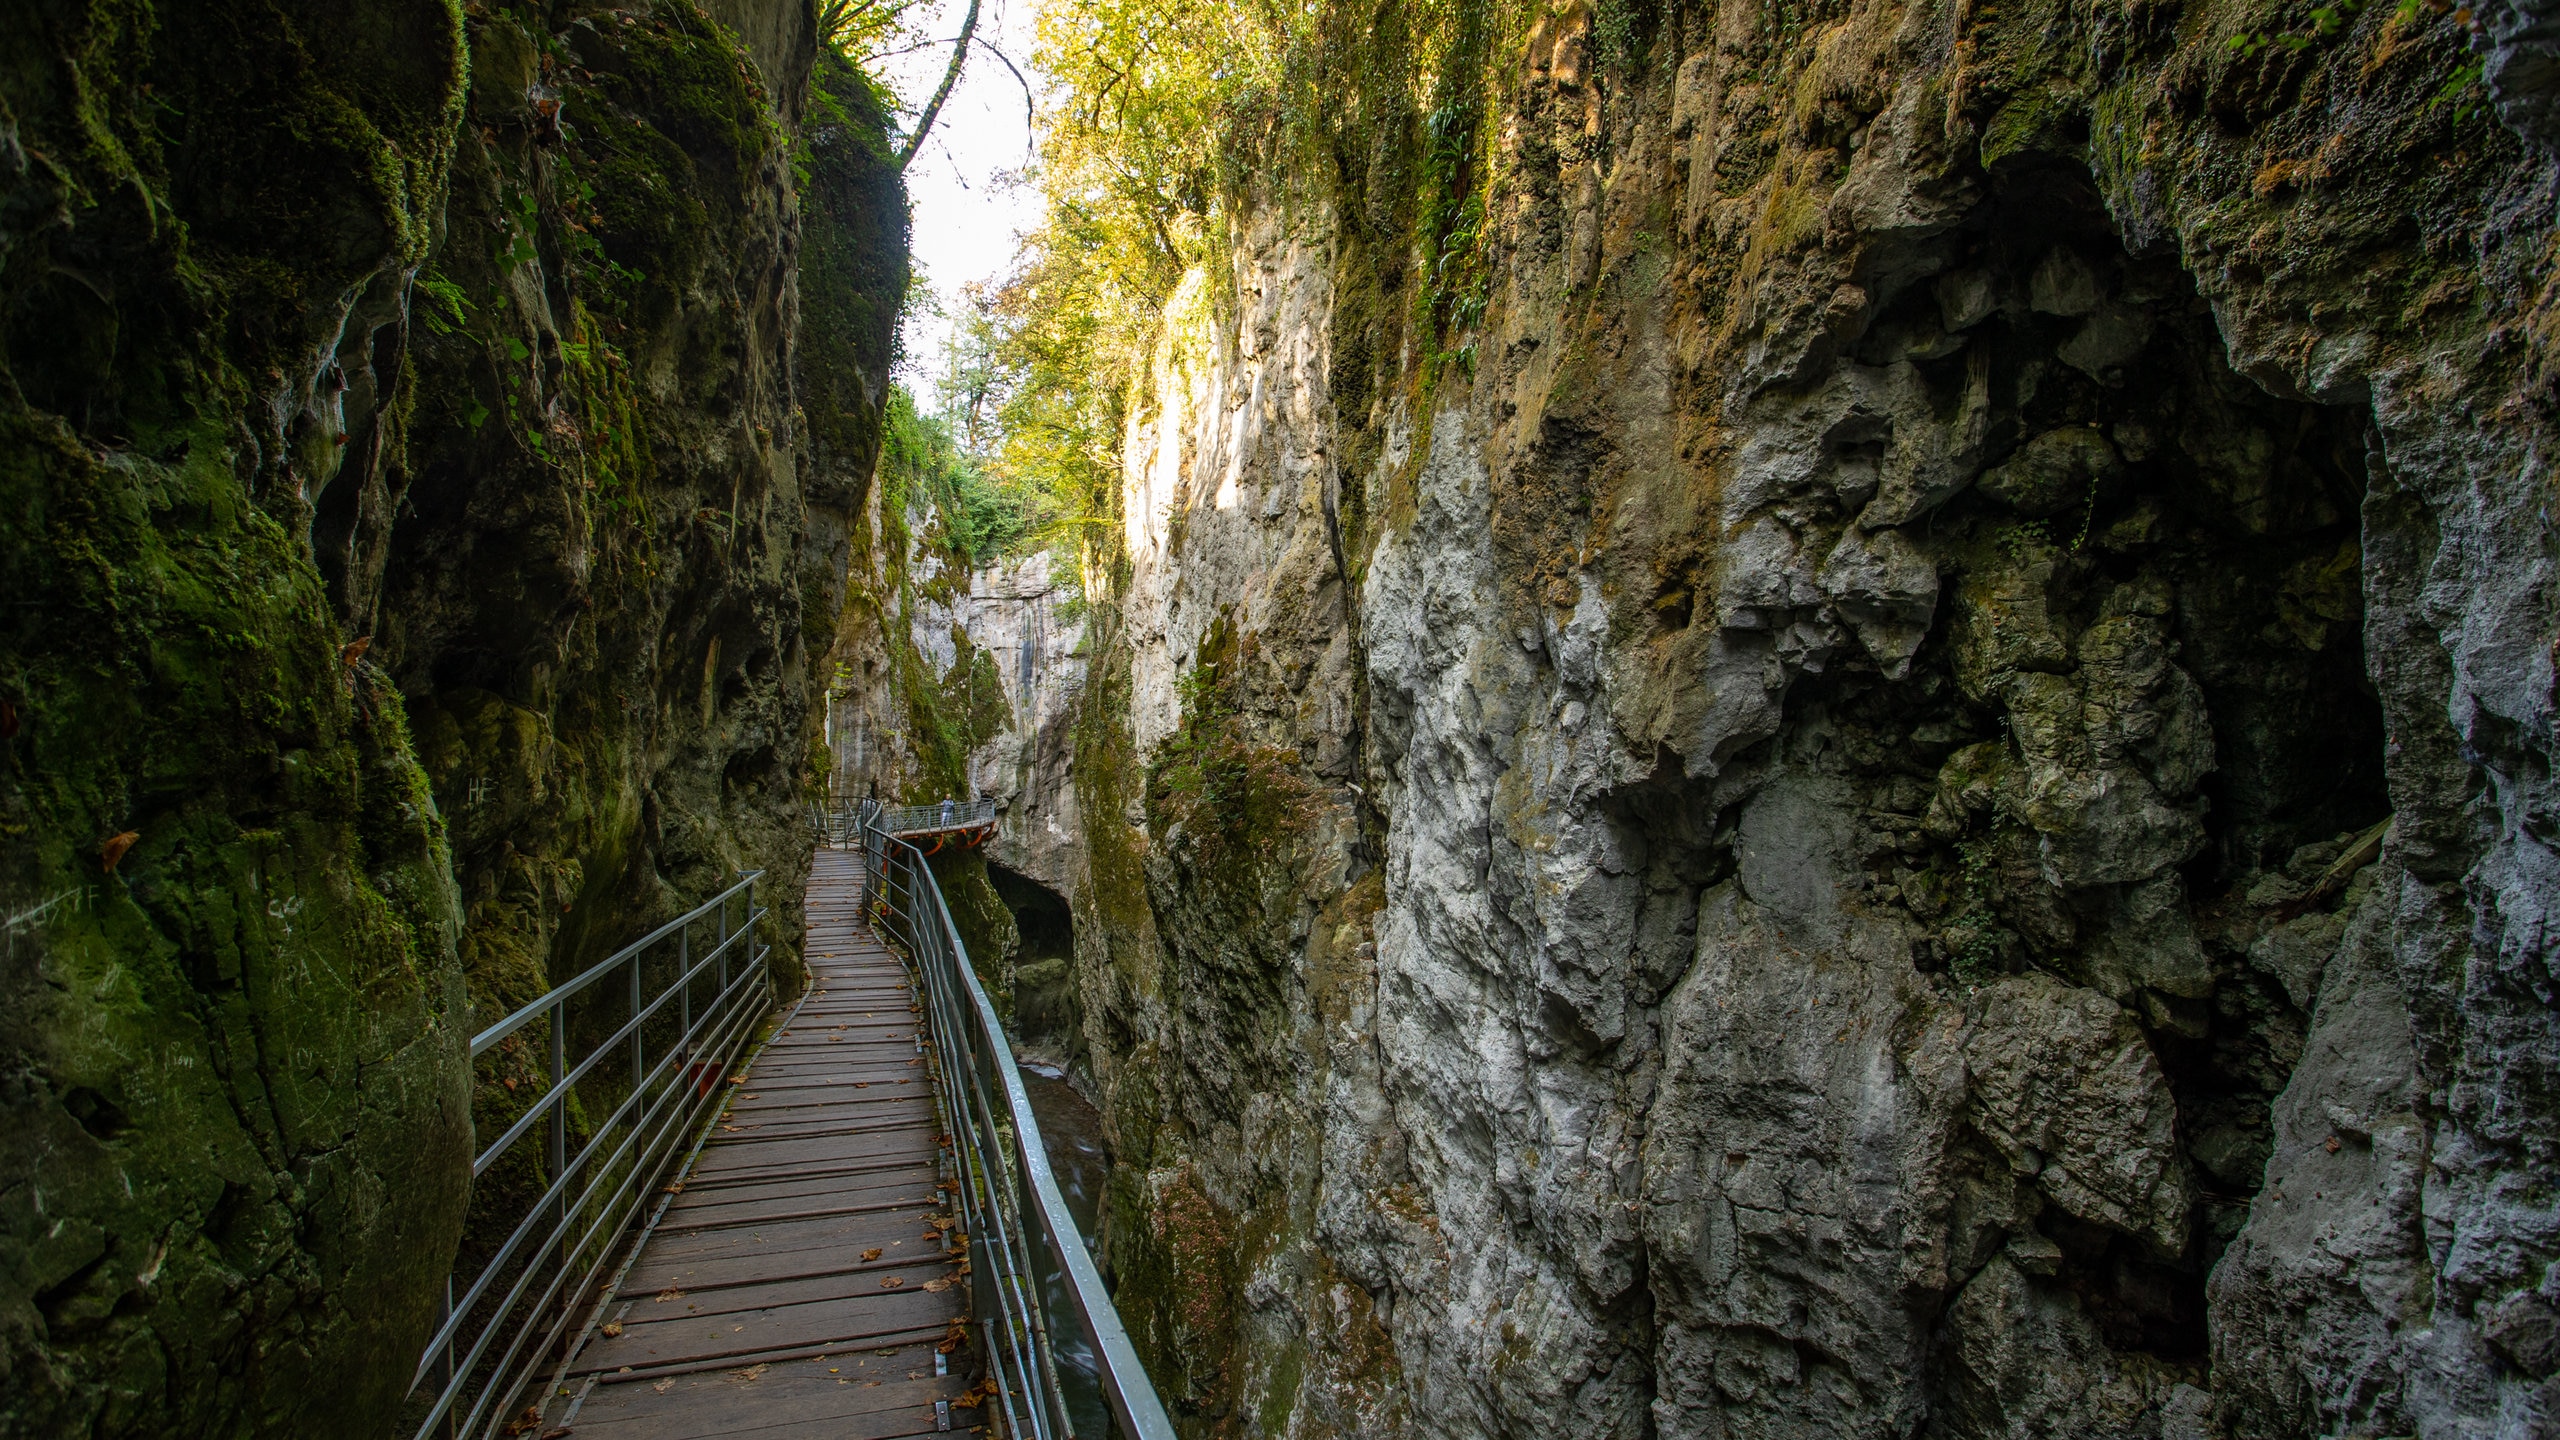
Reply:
x=668, y=1294
x=663, y=1386
x=611, y=1329
x=353, y=650
x=751, y=1372
x=937, y=1286
x=114, y=848
x=893, y=1282
x=871, y=1254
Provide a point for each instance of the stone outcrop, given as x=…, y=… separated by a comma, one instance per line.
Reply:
x=422, y=522
x=1906, y=795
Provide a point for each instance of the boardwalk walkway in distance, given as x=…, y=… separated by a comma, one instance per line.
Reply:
x=797, y=1285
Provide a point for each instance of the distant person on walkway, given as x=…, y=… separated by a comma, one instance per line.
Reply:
x=946, y=814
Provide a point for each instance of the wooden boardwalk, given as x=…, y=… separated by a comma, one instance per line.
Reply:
x=800, y=1284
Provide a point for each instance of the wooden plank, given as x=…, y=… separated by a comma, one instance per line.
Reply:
x=865, y=1397
x=750, y=1311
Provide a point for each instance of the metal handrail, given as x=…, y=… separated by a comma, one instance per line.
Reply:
x=1008, y=1198
x=515, y=1313
x=944, y=815
x=839, y=821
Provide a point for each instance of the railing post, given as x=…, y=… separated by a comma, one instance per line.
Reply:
x=638, y=1050
x=452, y=1422
x=559, y=1100
x=559, y=1111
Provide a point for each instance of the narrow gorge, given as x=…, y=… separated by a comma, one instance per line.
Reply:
x=1825, y=722
x=1740, y=720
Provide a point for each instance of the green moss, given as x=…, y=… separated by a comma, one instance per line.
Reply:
x=240, y=1039
x=986, y=926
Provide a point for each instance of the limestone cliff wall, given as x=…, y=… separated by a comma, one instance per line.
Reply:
x=1891, y=781
x=422, y=525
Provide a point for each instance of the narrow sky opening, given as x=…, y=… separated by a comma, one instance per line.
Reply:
x=966, y=192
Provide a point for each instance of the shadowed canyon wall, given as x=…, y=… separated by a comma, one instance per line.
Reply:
x=1869, y=757
x=431, y=440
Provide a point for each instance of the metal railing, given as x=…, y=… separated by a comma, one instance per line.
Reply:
x=839, y=821
x=1017, y=1220
x=944, y=815
x=687, y=1000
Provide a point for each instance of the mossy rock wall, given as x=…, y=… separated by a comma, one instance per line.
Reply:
x=414, y=553
x=1716, y=758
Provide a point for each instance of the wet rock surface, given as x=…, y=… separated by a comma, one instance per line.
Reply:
x=421, y=520
x=1907, y=797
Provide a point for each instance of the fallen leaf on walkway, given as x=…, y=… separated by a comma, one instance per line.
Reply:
x=751, y=1372
x=937, y=1286
x=861, y=1084
x=871, y=1254
x=668, y=1294
x=611, y=1329
x=663, y=1386
x=750, y=1097
x=893, y=1282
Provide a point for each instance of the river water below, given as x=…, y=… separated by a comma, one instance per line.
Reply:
x=1072, y=1131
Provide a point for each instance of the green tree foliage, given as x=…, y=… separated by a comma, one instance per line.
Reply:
x=922, y=465
x=1162, y=119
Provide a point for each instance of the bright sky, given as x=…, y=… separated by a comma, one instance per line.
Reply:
x=968, y=203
